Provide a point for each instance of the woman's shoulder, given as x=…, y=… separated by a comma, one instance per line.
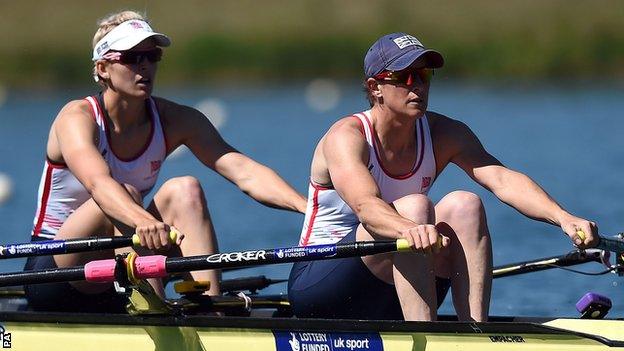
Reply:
x=75, y=115
x=350, y=122
x=77, y=109
x=346, y=128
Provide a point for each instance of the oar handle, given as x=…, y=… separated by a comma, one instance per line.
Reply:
x=403, y=244
x=173, y=237
x=608, y=244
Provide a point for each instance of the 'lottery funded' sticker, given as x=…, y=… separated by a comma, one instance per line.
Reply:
x=315, y=341
x=307, y=251
x=29, y=248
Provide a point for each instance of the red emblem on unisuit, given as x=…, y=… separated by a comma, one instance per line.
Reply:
x=426, y=181
x=155, y=165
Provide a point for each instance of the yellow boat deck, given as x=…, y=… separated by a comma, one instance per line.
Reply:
x=50, y=332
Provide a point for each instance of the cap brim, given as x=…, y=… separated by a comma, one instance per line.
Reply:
x=433, y=59
x=133, y=40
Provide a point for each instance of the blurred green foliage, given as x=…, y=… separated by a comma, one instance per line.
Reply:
x=48, y=43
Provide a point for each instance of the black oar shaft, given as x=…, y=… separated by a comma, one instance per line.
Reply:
x=280, y=255
x=56, y=247
x=42, y=276
x=570, y=259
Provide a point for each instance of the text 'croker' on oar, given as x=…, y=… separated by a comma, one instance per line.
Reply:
x=58, y=247
x=158, y=266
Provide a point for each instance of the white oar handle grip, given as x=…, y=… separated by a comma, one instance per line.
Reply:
x=173, y=237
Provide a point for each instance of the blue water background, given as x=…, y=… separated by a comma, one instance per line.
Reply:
x=568, y=137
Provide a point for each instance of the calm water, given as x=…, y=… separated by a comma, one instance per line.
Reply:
x=568, y=138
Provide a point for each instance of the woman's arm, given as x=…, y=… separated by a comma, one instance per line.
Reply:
x=76, y=136
x=191, y=128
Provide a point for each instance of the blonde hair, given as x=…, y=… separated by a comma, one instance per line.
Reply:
x=105, y=25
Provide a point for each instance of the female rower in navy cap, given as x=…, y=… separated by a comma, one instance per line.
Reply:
x=104, y=153
x=369, y=180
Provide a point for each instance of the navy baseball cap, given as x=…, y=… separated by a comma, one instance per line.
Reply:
x=397, y=51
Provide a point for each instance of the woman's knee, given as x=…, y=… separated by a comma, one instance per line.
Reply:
x=416, y=207
x=462, y=204
x=461, y=213
x=183, y=191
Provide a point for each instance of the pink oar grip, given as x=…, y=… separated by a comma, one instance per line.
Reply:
x=100, y=271
x=150, y=267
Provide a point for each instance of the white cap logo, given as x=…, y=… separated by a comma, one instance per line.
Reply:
x=407, y=40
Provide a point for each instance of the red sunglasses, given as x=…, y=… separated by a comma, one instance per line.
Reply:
x=406, y=77
x=134, y=57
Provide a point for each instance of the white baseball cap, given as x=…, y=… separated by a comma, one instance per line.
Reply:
x=127, y=35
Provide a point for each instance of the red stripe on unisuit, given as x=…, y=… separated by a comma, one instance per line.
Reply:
x=315, y=205
x=93, y=108
x=44, y=200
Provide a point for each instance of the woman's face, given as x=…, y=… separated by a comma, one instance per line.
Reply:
x=405, y=92
x=132, y=72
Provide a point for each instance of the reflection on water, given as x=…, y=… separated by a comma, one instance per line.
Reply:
x=567, y=139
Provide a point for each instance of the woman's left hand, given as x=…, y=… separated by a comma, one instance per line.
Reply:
x=573, y=225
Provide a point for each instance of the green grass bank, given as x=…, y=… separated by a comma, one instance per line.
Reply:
x=48, y=43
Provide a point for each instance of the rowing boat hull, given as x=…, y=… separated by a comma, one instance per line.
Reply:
x=51, y=332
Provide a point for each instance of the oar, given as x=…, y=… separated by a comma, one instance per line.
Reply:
x=540, y=264
x=609, y=244
x=615, y=244
x=159, y=266
x=56, y=247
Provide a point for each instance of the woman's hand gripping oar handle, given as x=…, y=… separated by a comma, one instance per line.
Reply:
x=173, y=238
x=403, y=245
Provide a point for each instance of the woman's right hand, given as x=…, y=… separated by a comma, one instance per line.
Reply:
x=154, y=234
x=425, y=237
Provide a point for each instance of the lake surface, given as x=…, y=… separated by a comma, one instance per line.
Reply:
x=568, y=137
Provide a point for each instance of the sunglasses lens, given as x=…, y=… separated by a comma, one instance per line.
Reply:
x=424, y=75
x=128, y=57
x=134, y=57
x=154, y=55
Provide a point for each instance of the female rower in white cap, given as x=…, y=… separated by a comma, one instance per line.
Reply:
x=103, y=156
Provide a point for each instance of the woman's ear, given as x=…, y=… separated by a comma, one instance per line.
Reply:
x=373, y=87
x=101, y=69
